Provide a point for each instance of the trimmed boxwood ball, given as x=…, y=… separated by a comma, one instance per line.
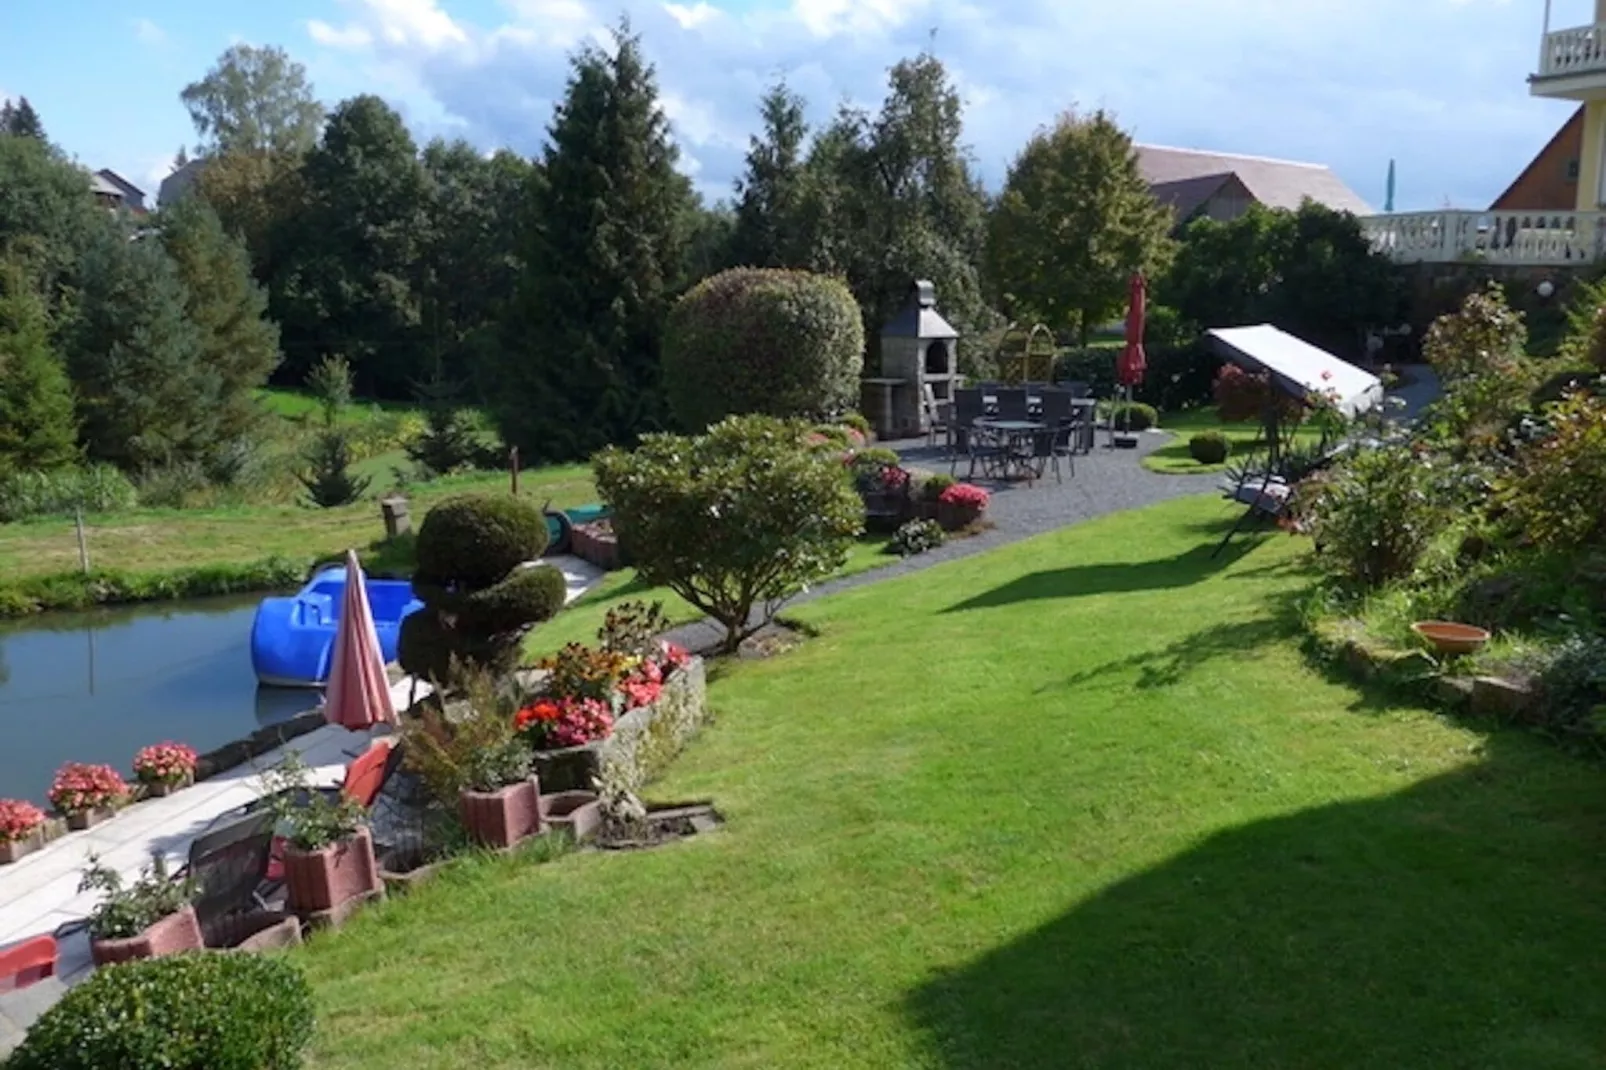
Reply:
x=1209, y=447
x=525, y=597
x=762, y=340
x=472, y=541
x=1142, y=416
x=196, y=1011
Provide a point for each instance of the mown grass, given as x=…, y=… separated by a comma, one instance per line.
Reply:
x=1076, y=802
x=1174, y=459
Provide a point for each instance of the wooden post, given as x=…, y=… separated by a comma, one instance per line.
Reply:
x=513, y=459
x=83, y=546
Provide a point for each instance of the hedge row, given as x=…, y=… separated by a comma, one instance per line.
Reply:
x=26, y=595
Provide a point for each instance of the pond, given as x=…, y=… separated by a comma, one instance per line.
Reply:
x=98, y=686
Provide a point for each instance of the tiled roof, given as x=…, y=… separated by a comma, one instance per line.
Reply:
x=1185, y=195
x=1274, y=183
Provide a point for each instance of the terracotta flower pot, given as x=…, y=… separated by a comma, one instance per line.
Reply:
x=502, y=818
x=952, y=516
x=154, y=790
x=174, y=933
x=578, y=811
x=11, y=850
x=324, y=879
x=86, y=819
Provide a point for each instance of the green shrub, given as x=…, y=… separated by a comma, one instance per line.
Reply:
x=97, y=488
x=478, y=602
x=195, y=1011
x=327, y=476
x=933, y=487
x=876, y=457
x=1209, y=447
x=1372, y=516
x=1556, y=493
x=1572, y=678
x=1141, y=416
x=855, y=420
x=129, y=909
x=473, y=540
x=734, y=521
x=761, y=340
x=1557, y=385
x=916, y=537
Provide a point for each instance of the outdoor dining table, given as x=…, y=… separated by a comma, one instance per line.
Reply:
x=1014, y=437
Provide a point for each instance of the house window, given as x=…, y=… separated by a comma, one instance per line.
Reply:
x=1572, y=170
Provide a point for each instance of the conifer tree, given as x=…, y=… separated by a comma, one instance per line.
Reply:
x=147, y=396
x=38, y=428
x=20, y=120
x=599, y=263
x=229, y=309
x=771, y=228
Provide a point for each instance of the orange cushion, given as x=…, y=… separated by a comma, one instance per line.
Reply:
x=366, y=775
x=27, y=962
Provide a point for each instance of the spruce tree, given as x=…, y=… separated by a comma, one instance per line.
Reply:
x=771, y=227
x=20, y=120
x=38, y=429
x=229, y=309
x=147, y=395
x=599, y=262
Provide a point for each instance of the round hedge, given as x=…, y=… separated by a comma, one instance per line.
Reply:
x=1141, y=416
x=528, y=596
x=473, y=541
x=762, y=340
x=1209, y=447
x=196, y=1011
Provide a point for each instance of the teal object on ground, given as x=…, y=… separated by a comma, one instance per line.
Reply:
x=560, y=526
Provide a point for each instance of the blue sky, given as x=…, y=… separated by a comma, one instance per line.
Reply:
x=1436, y=84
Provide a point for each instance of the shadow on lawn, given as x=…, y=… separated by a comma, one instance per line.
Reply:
x=1078, y=581
x=1167, y=666
x=1444, y=926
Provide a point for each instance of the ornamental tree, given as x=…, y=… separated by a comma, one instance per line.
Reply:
x=757, y=340
x=735, y=521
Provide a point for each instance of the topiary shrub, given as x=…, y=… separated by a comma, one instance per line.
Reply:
x=479, y=597
x=195, y=1011
x=1141, y=416
x=916, y=537
x=735, y=521
x=1209, y=447
x=476, y=539
x=762, y=340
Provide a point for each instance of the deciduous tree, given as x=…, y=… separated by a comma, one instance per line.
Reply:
x=1073, y=223
x=253, y=100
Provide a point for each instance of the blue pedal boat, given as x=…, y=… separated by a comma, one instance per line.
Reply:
x=293, y=638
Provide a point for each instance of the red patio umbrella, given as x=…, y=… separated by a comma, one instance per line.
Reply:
x=359, y=693
x=1133, y=363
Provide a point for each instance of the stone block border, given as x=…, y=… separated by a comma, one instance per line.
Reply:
x=643, y=743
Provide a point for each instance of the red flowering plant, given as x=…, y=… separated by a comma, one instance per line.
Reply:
x=548, y=723
x=80, y=787
x=894, y=480
x=673, y=657
x=965, y=494
x=643, y=686
x=18, y=819
x=165, y=763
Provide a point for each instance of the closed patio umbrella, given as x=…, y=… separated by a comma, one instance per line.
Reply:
x=1133, y=362
x=359, y=692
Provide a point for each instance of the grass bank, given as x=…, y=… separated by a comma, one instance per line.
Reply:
x=1079, y=801
x=148, y=554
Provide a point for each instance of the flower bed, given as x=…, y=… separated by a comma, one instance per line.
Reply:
x=163, y=768
x=21, y=829
x=657, y=718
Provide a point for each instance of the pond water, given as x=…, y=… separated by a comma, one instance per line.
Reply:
x=98, y=686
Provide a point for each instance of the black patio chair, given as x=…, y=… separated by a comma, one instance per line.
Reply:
x=968, y=407
x=1012, y=404
x=230, y=867
x=1047, y=447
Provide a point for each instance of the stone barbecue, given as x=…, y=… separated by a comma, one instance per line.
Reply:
x=919, y=350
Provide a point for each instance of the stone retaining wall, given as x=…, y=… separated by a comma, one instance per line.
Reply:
x=643, y=743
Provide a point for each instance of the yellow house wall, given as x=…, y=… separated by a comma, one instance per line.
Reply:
x=1589, y=156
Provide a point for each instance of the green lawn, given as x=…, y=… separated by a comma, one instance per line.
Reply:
x=1076, y=802
x=1173, y=458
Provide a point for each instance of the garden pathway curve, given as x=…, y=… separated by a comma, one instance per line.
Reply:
x=1106, y=481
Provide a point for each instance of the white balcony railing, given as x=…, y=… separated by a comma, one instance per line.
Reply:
x=1580, y=50
x=1524, y=238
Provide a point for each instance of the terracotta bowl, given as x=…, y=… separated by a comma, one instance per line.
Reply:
x=1448, y=638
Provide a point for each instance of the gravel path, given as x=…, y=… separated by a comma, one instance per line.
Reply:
x=1106, y=481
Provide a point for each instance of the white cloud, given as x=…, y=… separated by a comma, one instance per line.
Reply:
x=1343, y=82
x=147, y=32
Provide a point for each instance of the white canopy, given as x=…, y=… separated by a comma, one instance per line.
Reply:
x=1298, y=367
